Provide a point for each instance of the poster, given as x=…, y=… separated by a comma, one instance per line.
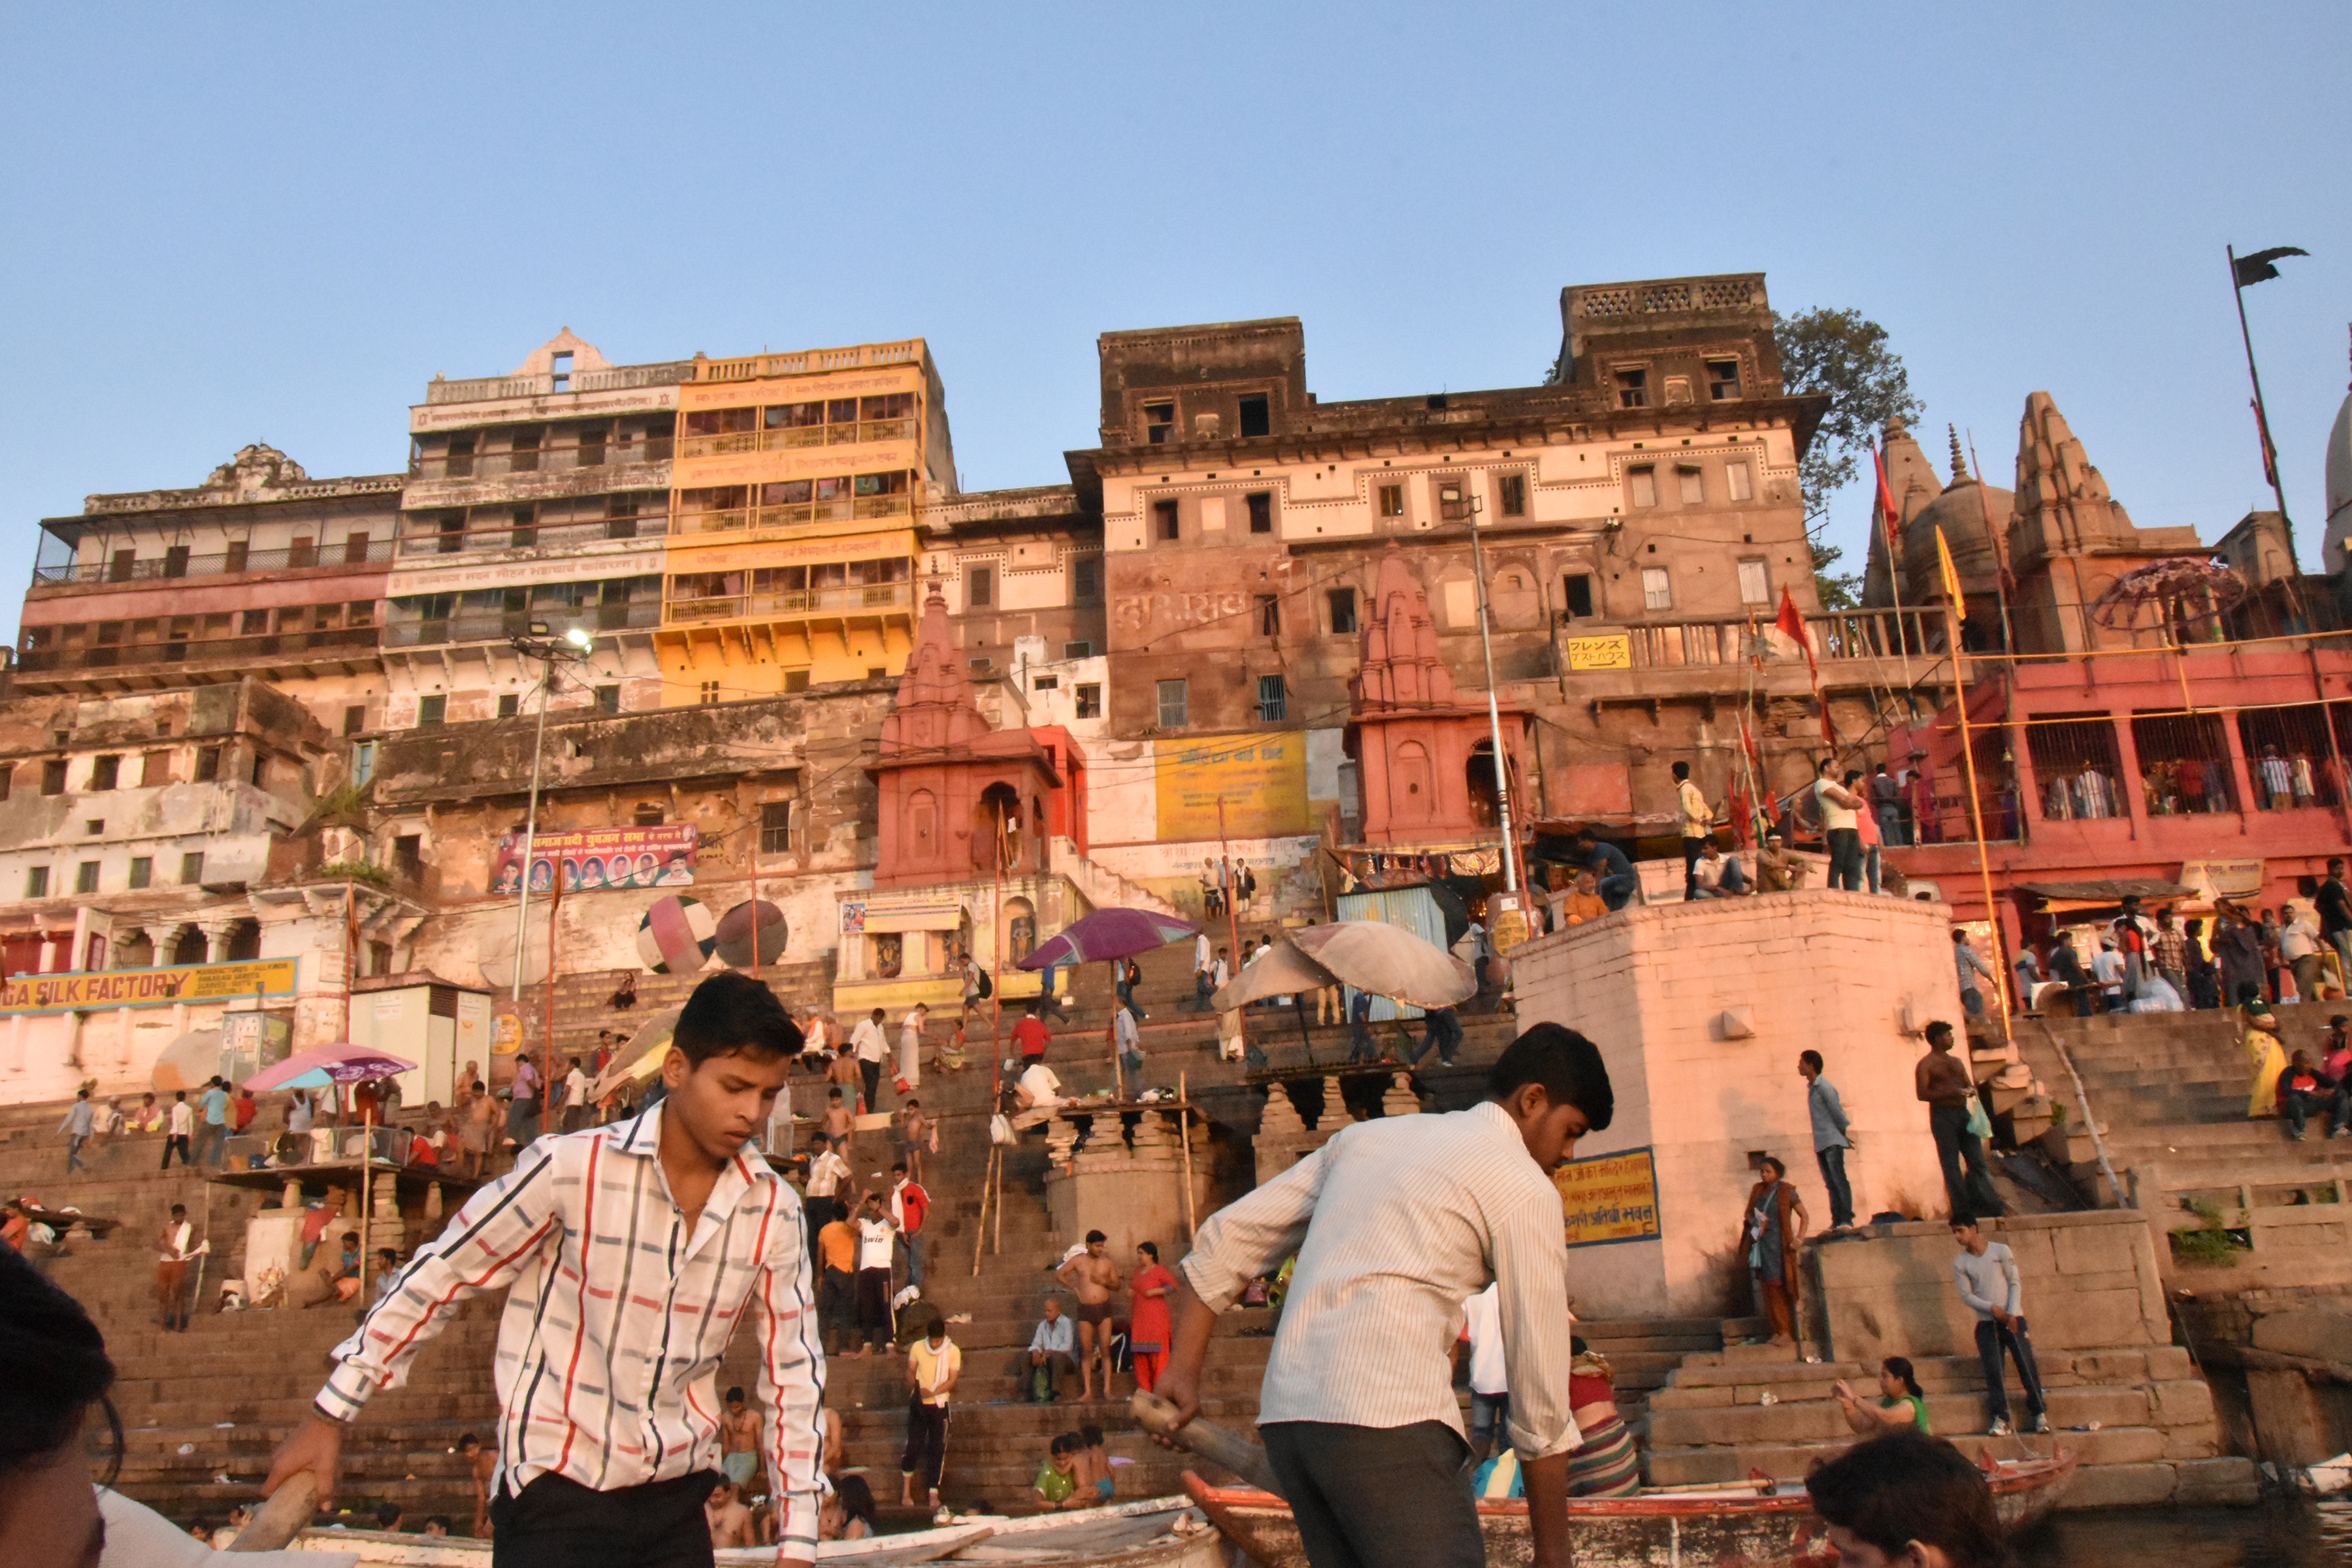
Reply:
x=1609, y=1198
x=1609, y=650
x=1262, y=779
x=147, y=987
x=598, y=857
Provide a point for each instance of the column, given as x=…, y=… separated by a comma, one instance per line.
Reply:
x=217, y=939
x=2127, y=763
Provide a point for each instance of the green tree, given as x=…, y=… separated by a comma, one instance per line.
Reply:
x=1842, y=355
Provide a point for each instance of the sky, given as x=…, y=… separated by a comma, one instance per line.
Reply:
x=278, y=222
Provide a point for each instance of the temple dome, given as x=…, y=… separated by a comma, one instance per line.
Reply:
x=1961, y=511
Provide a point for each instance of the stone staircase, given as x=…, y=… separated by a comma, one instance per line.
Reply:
x=1102, y=886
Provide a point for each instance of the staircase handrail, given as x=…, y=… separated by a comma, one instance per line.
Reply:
x=2082, y=1097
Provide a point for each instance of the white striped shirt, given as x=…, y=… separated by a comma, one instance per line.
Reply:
x=1396, y=1222
x=609, y=1348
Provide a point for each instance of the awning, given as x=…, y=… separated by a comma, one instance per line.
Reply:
x=2059, y=897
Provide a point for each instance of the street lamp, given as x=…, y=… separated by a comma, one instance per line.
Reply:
x=574, y=646
x=1454, y=504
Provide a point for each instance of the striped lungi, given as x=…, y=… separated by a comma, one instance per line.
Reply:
x=1605, y=1464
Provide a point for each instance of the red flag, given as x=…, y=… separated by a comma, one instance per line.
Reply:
x=1886, y=500
x=1790, y=624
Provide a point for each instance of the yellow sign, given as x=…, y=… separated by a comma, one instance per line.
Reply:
x=506, y=1035
x=1262, y=779
x=147, y=987
x=1609, y=1198
x=1611, y=650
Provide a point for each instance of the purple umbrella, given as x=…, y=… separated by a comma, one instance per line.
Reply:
x=1108, y=934
x=342, y=1062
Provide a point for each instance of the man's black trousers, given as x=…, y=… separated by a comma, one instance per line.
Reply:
x=1378, y=1497
x=556, y=1523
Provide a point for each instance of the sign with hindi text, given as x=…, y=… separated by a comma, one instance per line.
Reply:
x=1609, y=1198
x=598, y=857
x=147, y=987
x=1261, y=779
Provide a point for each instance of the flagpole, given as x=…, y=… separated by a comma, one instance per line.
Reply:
x=1884, y=505
x=1975, y=817
x=2262, y=413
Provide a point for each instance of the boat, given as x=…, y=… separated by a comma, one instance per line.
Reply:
x=1762, y=1523
x=1152, y=1533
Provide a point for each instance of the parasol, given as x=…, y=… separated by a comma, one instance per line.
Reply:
x=2179, y=588
x=1283, y=971
x=342, y=1062
x=1369, y=955
x=188, y=1061
x=642, y=1057
x=1108, y=934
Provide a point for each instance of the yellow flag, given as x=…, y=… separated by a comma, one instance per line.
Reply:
x=1951, y=577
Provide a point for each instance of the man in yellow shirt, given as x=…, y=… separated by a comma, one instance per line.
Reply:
x=836, y=1291
x=933, y=1364
x=1698, y=825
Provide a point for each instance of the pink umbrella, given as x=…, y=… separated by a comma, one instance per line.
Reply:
x=342, y=1062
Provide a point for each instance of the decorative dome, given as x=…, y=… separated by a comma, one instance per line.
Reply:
x=1961, y=511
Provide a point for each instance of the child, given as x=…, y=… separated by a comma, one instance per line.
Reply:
x=1092, y=1471
x=914, y=1134
x=839, y=1123
x=1056, y=1483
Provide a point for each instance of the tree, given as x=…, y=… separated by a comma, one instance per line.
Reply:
x=1843, y=356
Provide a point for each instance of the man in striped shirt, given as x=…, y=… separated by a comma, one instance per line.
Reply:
x=1395, y=1222
x=631, y=1251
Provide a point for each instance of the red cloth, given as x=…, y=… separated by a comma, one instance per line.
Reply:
x=1585, y=1389
x=245, y=1109
x=1151, y=1318
x=1029, y=1034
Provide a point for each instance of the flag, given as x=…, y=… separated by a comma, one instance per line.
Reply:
x=1790, y=624
x=1951, y=577
x=2270, y=453
x=1886, y=503
x=2257, y=267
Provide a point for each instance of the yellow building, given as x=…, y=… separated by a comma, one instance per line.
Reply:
x=797, y=485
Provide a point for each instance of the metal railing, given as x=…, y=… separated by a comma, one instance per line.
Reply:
x=333, y=554
x=508, y=624
x=1839, y=634
x=613, y=378
x=196, y=650
x=731, y=519
x=568, y=534
x=802, y=602
x=789, y=435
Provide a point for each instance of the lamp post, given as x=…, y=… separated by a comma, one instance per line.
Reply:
x=574, y=647
x=1456, y=502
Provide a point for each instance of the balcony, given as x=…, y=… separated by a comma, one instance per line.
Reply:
x=1837, y=636
x=506, y=625
x=556, y=536
x=162, y=662
x=796, y=605
x=613, y=378
x=755, y=367
x=334, y=555
x=739, y=520
x=786, y=436
x=550, y=459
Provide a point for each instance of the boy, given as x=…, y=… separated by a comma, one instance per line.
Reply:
x=1093, y=1278
x=914, y=1133
x=909, y=1203
x=878, y=1241
x=663, y=1229
x=933, y=1364
x=1985, y=1273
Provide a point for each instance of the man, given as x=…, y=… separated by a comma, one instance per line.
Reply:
x=173, y=1251
x=1907, y=1500
x=575, y=1098
x=2303, y=1088
x=2336, y=1047
x=738, y=1440
x=836, y=1298
x=522, y=1102
x=839, y=1123
x=480, y=1132
x=872, y=1048
x=482, y=1469
x=1833, y=1136
x=2028, y=969
x=909, y=1203
x=1036, y=1096
x=1092, y=1277
x=2299, y=945
x=1886, y=806
x=911, y=1035
x=1965, y=959
x=933, y=1364
x=1837, y=805
x=1612, y=874
x=1698, y=825
x=728, y=1519
x=1777, y=871
x=1395, y=1222
x=1203, y=955
x=1359, y=1029
x=214, y=1132
x=827, y=1170
x=1031, y=1036
x=79, y=1120
x=1053, y=1350
x=182, y=1124
x=1719, y=876
x=1944, y=1082
x=1126, y=1043
x=2334, y=905
x=975, y=984
x=1985, y=1274
x=243, y=1109
x=1442, y=1028
x=878, y=1246
x=662, y=1226
x=1490, y=1390
x=149, y=1117
x=2169, y=951
x=2108, y=972
x=2131, y=934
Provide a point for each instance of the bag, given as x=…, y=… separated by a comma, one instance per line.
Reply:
x=1980, y=1124
x=999, y=1129
x=987, y=986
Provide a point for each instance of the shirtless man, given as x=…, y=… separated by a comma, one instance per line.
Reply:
x=481, y=1131
x=840, y=1124
x=730, y=1521
x=481, y=1465
x=739, y=1442
x=1093, y=1278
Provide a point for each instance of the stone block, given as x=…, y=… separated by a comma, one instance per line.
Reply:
x=2121, y=1486
x=2188, y=1402
x=2115, y=1445
x=2098, y=1250
x=2229, y=1481
x=2108, y=1366
x=2322, y=1336
x=2170, y=1361
x=2191, y=1442
x=1811, y=1421
x=1718, y=1397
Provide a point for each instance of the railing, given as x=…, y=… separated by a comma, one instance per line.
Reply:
x=731, y=519
x=613, y=378
x=755, y=366
x=181, y=500
x=508, y=624
x=806, y=602
x=276, y=645
x=568, y=458
x=333, y=554
x=788, y=435
x=568, y=534
x=1840, y=635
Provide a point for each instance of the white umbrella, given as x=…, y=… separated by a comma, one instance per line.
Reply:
x=642, y=1057
x=1369, y=955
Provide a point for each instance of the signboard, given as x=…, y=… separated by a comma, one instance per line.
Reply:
x=1262, y=780
x=1609, y=1198
x=917, y=913
x=1607, y=651
x=564, y=568
x=147, y=987
x=893, y=544
x=2226, y=878
x=598, y=857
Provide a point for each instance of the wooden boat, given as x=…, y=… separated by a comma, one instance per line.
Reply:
x=1154, y=1533
x=1759, y=1524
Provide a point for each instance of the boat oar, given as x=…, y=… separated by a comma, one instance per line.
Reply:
x=1206, y=1438
x=281, y=1517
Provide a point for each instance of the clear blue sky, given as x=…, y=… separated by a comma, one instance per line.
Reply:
x=229, y=225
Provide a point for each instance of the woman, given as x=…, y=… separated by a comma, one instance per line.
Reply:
x=1773, y=1225
x=1148, y=1332
x=2299, y=948
x=2261, y=1033
x=2237, y=949
x=1605, y=1464
x=848, y=1511
x=2204, y=977
x=1130, y=975
x=1901, y=1401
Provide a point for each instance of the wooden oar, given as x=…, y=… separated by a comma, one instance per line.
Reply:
x=1206, y=1438
x=281, y=1517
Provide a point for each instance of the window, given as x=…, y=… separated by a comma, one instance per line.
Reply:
x=1511, y=495
x=355, y=549
x=460, y=463
x=795, y=680
x=560, y=368
x=354, y=720
x=1173, y=705
x=37, y=882
x=1163, y=515
x=710, y=691
x=1261, y=513
x=1269, y=614
x=1576, y=594
x=86, y=877
x=238, y=551
x=1046, y=683
x=1343, y=611
x=591, y=446
x=192, y=868
x=1077, y=651
x=525, y=448
x=1632, y=388
x=408, y=853
x=1657, y=592
x=1643, y=482
x=93, y=825
x=775, y=827
x=1257, y=417
x=302, y=554
x=379, y=958
x=142, y=871
x=509, y=704
x=175, y=560
x=979, y=587
x=1722, y=380
x=1085, y=579
x=53, y=776
x=104, y=771
x=1736, y=482
x=608, y=700
x=1089, y=701
x=432, y=711
x=1755, y=583
x=648, y=814
x=1159, y=423
x=1272, y=702
x=259, y=773
x=1391, y=501
x=363, y=761
x=208, y=761
x=8, y=777
x=1692, y=482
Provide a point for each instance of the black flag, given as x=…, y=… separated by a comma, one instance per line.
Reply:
x=2257, y=267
